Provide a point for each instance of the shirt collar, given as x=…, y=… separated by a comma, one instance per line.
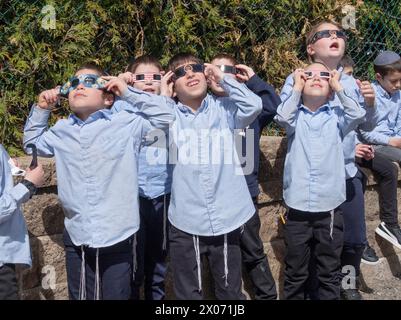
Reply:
x=204, y=105
x=325, y=107
x=103, y=113
x=381, y=91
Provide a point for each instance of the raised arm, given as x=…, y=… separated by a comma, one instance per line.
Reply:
x=270, y=99
x=287, y=111
x=369, y=103
x=36, y=126
x=243, y=105
x=158, y=110
x=352, y=113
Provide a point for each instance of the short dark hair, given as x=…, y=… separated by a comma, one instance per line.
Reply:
x=388, y=68
x=145, y=59
x=225, y=56
x=347, y=61
x=181, y=58
x=93, y=66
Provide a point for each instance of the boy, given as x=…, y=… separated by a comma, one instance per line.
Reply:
x=386, y=138
x=325, y=43
x=14, y=240
x=154, y=181
x=97, y=182
x=252, y=249
x=314, y=177
x=208, y=200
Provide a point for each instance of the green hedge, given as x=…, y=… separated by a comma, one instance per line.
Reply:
x=267, y=35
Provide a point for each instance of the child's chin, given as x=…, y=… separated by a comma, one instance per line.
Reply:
x=317, y=93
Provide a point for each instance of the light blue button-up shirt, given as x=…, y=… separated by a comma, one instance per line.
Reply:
x=154, y=173
x=95, y=163
x=209, y=195
x=389, y=121
x=349, y=142
x=314, y=173
x=14, y=240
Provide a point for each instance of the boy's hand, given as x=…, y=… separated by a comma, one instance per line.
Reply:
x=36, y=176
x=15, y=162
x=334, y=81
x=364, y=151
x=247, y=73
x=167, y=85
x=49, y=98
x=213, y=73
x=299, y=79
x=128, y=77
x=395, y=142
x=367, y=92
x=115, y=85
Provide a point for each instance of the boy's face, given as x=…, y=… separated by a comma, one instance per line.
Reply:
x=315, y=85
x=148, y=85
x=84, y=101
x=191, y=86
x=348, y=70
x=391, y=82
x=326, y=48
x=215, y=87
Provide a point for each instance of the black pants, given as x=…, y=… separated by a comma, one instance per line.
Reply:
x=302, y=231
x=255, y=260
x=353, y=210
x=151, y=256
x=185, y=267
x=8, y=283
x=387, y=174
x=115, y=270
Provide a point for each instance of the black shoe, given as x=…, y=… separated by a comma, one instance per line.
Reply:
x=369, y=256
x=351, y=294
x=391, y=234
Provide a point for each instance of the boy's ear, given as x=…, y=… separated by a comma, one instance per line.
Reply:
x=379, y=77
x=310, y=50
x=108, y=99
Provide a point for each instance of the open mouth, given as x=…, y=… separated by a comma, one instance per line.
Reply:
x=192, y=83
x=335, y=45
x=149, y=90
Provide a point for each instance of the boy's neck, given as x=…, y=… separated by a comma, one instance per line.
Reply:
x=313, y=103
x=384, y=89
x=193, y=104
x=332, y=64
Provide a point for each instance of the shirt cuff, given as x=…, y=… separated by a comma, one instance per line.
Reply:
x=20, y=193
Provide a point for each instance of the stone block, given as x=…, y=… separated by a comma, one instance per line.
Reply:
x=44, y=215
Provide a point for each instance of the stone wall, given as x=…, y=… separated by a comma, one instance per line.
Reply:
x=44, y=218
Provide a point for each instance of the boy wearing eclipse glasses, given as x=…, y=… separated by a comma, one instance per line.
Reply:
x=314, y=178
x=252, y=250
x=95, y=153
x=209, y=202
x=326, y=43
x=154, y=182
